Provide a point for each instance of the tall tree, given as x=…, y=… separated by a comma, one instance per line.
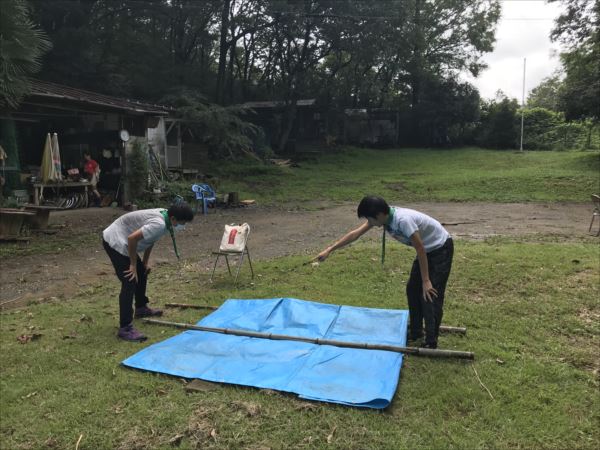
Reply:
x=546, y=94
x=22, y=45
x=578, y=29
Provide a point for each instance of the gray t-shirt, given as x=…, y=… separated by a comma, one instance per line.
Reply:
x=150, y=221
x=404, y=222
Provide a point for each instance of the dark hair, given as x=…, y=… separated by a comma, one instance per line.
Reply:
x=87, y=154
x=181, y=211
x=371, y=205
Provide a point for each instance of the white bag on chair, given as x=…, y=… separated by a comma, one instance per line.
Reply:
x=234, y=238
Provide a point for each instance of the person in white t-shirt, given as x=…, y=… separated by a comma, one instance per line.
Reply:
x=426, y=286
x=123, y=240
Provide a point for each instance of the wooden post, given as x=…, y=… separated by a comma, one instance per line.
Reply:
x=436, y=353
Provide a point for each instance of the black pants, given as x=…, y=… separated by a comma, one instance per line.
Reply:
x=440, y=263
x=129, y=289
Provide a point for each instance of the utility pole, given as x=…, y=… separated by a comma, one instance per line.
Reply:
x=523, y=103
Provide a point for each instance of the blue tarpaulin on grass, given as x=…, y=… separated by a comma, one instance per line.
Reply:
x=356, y=377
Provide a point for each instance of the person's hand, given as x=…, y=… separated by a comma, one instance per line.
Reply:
x=323, y=255
x=131, y=273
x=429, y=292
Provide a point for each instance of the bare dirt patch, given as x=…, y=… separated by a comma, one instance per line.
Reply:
x=67, y=269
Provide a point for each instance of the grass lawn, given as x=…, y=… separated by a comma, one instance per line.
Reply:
x=533, y=321
x=466, y=174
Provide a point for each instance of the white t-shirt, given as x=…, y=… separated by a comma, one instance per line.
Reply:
x=404, y=222
x=150, y=221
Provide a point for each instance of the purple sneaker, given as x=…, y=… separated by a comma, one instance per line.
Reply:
x=129, y=333
x=144, y=311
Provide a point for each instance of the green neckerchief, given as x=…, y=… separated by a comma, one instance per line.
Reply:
x=389, y=221
x=165, y=215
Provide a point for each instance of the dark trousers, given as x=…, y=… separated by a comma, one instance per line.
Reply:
x=440, y=263
x=129, y=289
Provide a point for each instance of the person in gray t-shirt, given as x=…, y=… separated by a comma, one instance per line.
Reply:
x=426, y=286
x=123, y=240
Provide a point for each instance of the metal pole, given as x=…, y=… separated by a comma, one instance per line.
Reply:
x=443, y=328
x=523, y=103
x=282, y=337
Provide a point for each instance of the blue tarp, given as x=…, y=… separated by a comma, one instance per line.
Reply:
x=366, y=378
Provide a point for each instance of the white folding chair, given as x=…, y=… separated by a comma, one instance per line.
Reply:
x=234, y=243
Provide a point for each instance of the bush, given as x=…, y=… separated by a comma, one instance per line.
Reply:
x=547, y=130
x=137, y=170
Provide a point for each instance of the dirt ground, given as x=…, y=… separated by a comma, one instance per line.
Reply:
x=275, y=232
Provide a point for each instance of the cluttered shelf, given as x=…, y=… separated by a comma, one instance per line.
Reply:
x=38, y=188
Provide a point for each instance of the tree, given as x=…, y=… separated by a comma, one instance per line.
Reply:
x=578, y=29
x=223, y=129
x=546, y=94
x=22, y=45
x=498, y=125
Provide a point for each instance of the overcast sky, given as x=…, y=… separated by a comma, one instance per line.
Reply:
x=518, y=39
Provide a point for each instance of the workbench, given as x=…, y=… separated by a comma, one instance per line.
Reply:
x=38, y=188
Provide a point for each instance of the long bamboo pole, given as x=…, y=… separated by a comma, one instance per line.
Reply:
x=443, y=328
x=283, y=337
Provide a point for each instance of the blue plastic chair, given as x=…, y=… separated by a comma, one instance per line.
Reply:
x=205, y=195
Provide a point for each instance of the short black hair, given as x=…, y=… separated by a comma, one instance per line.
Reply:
x=372, y=205
x=181, y=211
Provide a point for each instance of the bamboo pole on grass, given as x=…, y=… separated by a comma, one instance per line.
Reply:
x=437, y=353
x=443, y=328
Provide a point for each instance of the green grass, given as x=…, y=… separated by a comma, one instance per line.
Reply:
x=466, y=174
x=533, y=321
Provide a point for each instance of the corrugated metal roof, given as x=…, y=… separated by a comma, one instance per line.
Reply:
x=277, y=104
x=58, y=91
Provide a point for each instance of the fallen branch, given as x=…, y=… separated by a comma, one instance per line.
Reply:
x=483, y=385
x=78, y=441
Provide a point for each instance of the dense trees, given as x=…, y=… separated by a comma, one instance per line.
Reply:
x=348, y=53
x=399, y=54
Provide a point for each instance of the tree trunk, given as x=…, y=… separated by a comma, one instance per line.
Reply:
x=222, y=51
x=416, y=75
x=289, y=116
x=230, y=75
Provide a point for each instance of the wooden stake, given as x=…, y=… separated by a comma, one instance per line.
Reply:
x=443, y=328
x=360, y=345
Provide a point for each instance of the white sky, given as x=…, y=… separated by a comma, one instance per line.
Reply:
x=518, y=39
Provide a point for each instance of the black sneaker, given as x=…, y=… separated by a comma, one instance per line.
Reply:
x=429, y=345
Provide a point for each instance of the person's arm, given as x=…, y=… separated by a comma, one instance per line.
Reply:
x=146, y=258
x=345, y=240
x=429, y=292
x=132, y=240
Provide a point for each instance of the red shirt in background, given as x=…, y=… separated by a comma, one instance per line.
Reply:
x=90, y=167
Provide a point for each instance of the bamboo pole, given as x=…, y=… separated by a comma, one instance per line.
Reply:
x=443, y=328
x=283, y=337
x=187, y=305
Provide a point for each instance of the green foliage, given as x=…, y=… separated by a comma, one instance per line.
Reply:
x=137, y=169
x=530, y=310
x=580, y=91
x=22, y=46
x=542, y=127
x=577, y=29
x=546, y=94
x=223, y=129
x=498, y=125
